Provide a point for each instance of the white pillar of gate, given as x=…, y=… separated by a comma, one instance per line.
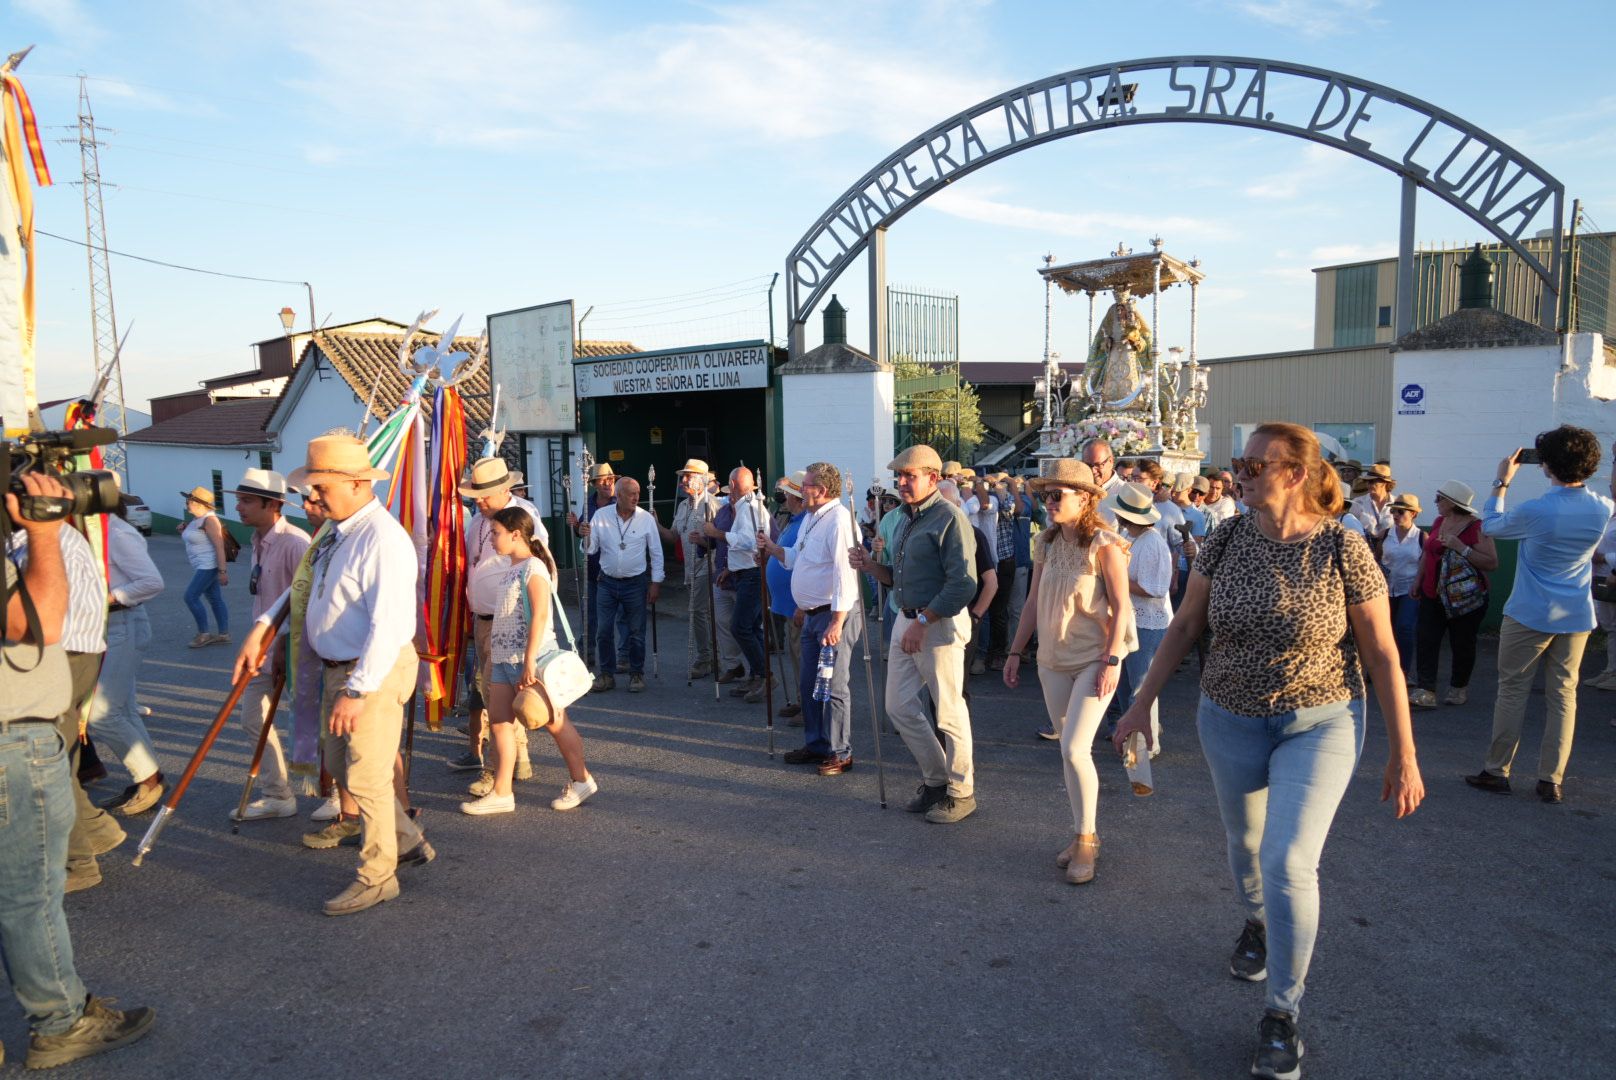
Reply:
x=837, y=406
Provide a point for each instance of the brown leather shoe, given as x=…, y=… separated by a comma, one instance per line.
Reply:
x=732, y=674
x=803, y=756
x=1486, y=781
x=835, y=766
x=1549, y=791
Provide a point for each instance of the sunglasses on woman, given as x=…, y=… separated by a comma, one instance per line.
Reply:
x=1054, y=495
x=1253, y=467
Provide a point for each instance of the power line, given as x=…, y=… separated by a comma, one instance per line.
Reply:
x=175, y=266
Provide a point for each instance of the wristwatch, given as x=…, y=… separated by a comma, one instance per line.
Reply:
x=356, y=695
x=1499, y=485
x=920, y=617
x=1113, y=661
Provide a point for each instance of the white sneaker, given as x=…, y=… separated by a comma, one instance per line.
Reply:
x=573, y=795
x=260, y=809
x=490, y=804
x=329, y=810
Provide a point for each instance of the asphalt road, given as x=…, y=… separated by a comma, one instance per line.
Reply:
x=715, y=913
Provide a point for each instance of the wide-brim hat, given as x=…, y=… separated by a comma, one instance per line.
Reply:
x=1377, y=474
x=792, y=484
x=919, y=457
x=1201, y=484
x=949, y=468
x=1460, y=494
x=342, y=456
x=1068, y=473
x=532, y=709
x=199, y=494
x=1407, y=501
x=695, y=466
x=262, y=484
x=487, y=476
x=1135, y=503
x=1351, y=463
x=600, y=470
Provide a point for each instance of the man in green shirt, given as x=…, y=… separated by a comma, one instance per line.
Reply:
x=929, y=562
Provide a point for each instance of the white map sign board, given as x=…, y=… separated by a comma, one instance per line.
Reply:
x=530, y=358
x=738, y=366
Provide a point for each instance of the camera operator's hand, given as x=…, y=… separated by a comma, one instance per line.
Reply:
x=45, y=486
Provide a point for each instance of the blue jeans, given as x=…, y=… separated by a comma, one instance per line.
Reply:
x=1279, y=780
x=827, y=726
x=36, y=814
x=594, y=606
x=206, y=583
x=621, y=598
x=748, y=622
x=1405, y=617
x=1132, y=676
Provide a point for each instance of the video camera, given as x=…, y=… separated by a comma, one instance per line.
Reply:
x=92, y=491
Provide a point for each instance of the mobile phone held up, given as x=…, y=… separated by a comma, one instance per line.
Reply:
x=1527, y=456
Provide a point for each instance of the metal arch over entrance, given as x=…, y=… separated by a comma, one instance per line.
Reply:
x=1498, y=187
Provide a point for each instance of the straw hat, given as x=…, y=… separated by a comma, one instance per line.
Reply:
x=921, y=457
x=1351, y=463
x=199, y=494
x=694, y=466
x=792, y=485
x=532, y=709
x=1407, y=501
x=601, y=469
x=1460, y=494
x=262, y=484
x=1068, y=473
x=1377, y=473
x=340, y=456
x=949, y=468
x=1135, y=503
x=488, y=476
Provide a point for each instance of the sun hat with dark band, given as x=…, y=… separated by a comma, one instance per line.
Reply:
x=1407, y=501
x=262, y=484
x=201, y=495
x=1135, y=503
x=488, y=476
x=1067, y=473
x=695, y=467
x=1459, y=494
x=342, y=457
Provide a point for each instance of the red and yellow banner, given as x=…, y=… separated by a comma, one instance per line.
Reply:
x=446, y=614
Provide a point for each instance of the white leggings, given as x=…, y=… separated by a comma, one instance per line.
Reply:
x=1076, y=712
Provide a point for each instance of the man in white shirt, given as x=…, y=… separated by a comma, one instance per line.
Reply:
x=1219, y=506
x=630, y=548
x=489, y=483
x=824, y=587
x=360, y=621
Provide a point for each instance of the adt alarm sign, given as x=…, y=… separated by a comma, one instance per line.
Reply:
x=1411, y=400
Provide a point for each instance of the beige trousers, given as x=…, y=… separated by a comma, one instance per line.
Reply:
x=272, y=777
x=937, y=668
x=362, y=762
x=1519, y=650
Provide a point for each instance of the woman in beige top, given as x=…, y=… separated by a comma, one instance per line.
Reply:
x=1078, y=602
x=1292, y=598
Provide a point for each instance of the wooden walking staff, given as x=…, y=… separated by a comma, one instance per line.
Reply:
x=585, y=463
x=869, y=668
x=258, y=754
x=409, y=714
x=166, y=811
x=762, y=513
x=656, y=538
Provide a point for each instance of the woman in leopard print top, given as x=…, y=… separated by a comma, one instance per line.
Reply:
x=1292, y=599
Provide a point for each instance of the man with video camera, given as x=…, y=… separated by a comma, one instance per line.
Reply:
x=66, y=1022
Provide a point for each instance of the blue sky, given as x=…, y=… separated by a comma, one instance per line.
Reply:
x=485, y=155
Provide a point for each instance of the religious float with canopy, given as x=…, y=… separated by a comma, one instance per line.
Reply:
x=1129, y=395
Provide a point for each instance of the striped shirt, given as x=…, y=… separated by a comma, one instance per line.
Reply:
x=86, y=628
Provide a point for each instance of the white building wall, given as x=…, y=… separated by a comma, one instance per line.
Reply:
x=845, y=419
x=160, y=474
x=1482, y=404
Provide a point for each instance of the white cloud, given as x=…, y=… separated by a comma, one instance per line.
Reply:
x=1318, y=164
x=1347, y=253
x=67, y=19
x=1313, y=18
x=1103, y=225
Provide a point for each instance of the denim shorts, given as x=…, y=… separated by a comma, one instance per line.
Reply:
x=506, y=674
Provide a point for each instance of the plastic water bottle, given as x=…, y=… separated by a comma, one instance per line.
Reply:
x=1136, y=759
x=827, y=671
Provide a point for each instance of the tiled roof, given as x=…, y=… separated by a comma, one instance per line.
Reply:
x=604, y=348
x=238, y=422
x=361, y=358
